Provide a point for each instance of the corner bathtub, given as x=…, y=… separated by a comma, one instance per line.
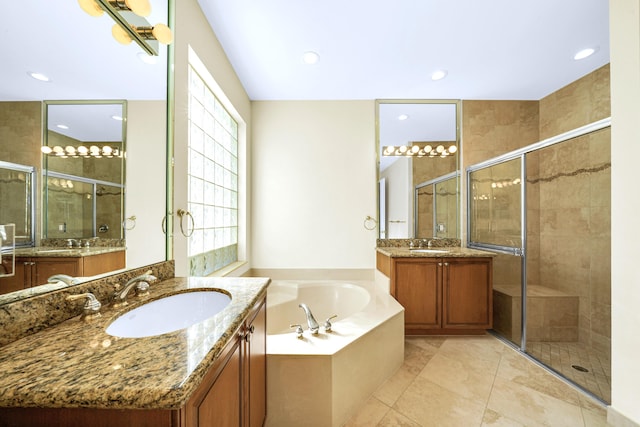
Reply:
x=321, y=380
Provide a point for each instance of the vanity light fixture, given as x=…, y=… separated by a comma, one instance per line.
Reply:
x=130, y=23
x=584, y=53
x=82, y=151
x=421, y=149
x=403, y=117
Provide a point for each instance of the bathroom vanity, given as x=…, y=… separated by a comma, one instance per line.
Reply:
x=33, y=266
x=444, y=291
x=212, y=373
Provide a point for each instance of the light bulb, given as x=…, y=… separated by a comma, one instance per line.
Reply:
x=440, y=148
x=82, y=150
x=139, y=7
x=94, y=150
x=106, y=150
x=91, y=7
x=162, y=33
x=120, y=35
x=58, y=149
x=428, y=148
x=415, y=149
x=46, y=149
x=69, y=149
x=388, y=150
x=403, y=149
x=453, y=149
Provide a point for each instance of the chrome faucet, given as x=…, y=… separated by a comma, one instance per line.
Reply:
x=311, y=321
x=73, y=243
x=141, y=283
x=68, y=280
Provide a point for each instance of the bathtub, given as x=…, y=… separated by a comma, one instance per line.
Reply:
x=321, y=380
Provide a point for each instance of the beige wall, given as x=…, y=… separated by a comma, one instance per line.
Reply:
x=314, y=170
x=625, y=232
x=21, y=132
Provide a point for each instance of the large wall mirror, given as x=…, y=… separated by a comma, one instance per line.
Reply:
x=418, y=145
x=100, y=96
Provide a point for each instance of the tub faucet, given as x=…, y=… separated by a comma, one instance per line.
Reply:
x=66, y=279
x=141, y=283
x=311, y=321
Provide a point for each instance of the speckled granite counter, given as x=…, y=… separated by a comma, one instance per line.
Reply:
x=459, y=252
x=51, y=251
x=77, y=364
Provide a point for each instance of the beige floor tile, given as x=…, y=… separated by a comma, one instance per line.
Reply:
x=531, y=407
x=482, y=354
x=396, y=419
x=369, y=415
x=458, y=377
x=494, y=419
x=416, y=357
x=432, y=405
x=518, y=369
x=393, y=388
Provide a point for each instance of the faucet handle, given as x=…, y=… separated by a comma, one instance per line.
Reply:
x=91, y=308
x=327, y=323
x=299, y=330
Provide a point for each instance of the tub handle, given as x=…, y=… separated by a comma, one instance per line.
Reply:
x=299, y=330
x=327, y=323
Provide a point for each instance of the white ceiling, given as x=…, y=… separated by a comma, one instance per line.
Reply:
x=371, y=49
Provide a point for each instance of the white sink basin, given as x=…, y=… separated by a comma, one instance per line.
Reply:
x=429, y=251
x=169, y=314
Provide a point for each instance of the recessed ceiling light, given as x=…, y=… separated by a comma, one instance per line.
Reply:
x=584, y=53
x=39, y=76
x=438, y=75
x=403, y=117
x=62, y=126
x=310, y=58
x=118, y=118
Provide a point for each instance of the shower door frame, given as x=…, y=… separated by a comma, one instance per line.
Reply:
x=521, y=153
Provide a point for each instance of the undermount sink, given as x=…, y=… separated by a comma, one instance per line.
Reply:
x=169, y=314
x=429, y=251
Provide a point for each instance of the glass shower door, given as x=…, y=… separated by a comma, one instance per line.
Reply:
x=495, y=224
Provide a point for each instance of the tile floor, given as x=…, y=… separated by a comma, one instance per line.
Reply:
x=474, y=381
x=562, y=355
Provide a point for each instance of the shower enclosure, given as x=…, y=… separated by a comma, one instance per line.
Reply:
x=545, y=211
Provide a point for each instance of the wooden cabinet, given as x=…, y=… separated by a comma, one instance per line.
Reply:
x=34, y=271
x=443, y=295
x=232, y=392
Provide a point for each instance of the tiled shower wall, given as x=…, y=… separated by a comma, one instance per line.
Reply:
x=569, y=206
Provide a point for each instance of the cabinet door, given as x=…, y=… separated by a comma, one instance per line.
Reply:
x=17, y=281
x=467, y=293
x=216, y=403
x=47, y=267
x=418, y=289
x=256, y=370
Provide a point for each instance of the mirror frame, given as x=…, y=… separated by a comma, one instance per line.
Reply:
x=46, y=104
x=458, y=124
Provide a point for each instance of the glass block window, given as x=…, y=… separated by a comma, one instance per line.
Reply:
x=213, y=180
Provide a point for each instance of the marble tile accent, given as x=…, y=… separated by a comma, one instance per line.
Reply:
x=474, y=381
x=405, y=243
x=405, y=252
x=77, y=364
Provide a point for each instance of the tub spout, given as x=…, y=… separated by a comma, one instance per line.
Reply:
x=311, y=321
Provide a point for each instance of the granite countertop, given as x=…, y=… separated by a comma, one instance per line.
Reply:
x=458, y=252
x=51, y=251
x=77, y=364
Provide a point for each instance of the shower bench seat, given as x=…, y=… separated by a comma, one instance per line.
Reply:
x=552, y=315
